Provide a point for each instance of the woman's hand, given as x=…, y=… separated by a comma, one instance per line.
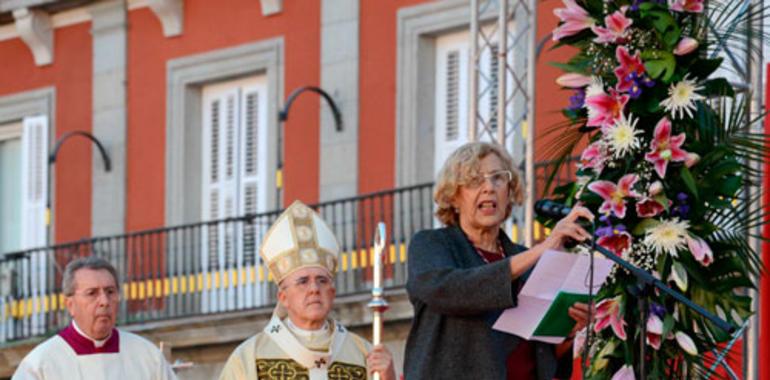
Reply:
x=579, y=312
x=565, y=229
x=568, y=228
x=380, y=360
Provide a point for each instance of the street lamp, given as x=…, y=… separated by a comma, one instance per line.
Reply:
x=283, y=115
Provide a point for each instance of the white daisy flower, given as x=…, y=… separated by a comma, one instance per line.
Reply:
x=622, y=137
x=668, y=236
x=682, y=97
x=596, y=87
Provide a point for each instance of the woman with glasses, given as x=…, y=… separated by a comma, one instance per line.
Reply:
x=462, y=276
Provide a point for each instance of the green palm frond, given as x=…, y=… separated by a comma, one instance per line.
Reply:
x=731, y=126
x=563, y=138
x=732, y=225
x=735, y=25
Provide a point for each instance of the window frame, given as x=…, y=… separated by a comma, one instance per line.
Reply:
x=186, y=77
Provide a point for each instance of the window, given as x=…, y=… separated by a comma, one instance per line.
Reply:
x=23, y=184
x=452, y=70
x=234, y=171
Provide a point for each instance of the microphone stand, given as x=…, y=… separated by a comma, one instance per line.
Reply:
x=643, y=289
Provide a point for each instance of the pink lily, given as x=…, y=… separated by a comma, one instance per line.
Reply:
x=693, y=6
x=655, y=189
x=614, y=195
x=691, y=160
x=615, y=31
x=608, y=314
x=665, y=148
x=700, y=250
x=648, y=207
x=573, y=18
x=573, y=80
x=604, y=109
x=594, y=157
x=626, y=372
x=686, y=46
x=654, y=331
x=628, y=65
x=618, y=243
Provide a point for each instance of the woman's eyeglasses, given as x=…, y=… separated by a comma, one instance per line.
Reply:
x=498, y=178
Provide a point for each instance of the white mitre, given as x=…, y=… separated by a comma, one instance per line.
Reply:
x=299, y=238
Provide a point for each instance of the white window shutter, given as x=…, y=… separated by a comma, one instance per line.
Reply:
x=34, y=177
x=492, y=74
x=234, y=178
x=253, y=180
x=451, y=95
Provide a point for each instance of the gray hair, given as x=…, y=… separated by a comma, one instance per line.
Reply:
x=90, y=262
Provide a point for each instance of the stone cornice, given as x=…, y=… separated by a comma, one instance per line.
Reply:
x=271, y=7
x=35, y=29
x=171, y=15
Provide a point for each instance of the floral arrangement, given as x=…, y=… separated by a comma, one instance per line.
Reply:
x=667, y=164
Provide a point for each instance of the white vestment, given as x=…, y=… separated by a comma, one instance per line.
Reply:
x=277, y=354
x=56, y=358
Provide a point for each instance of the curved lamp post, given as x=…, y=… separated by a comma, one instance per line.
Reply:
x=283, y=115
x=57, y=146
x=55, y=152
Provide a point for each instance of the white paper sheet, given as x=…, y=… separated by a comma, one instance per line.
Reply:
x=555, y=271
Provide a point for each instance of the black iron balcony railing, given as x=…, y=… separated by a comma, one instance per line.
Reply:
x=207, y=267
x=213, y=267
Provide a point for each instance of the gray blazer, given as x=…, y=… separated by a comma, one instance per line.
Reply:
x=456, y=298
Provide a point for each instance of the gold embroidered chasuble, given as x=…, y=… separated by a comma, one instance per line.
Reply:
x=278, y=354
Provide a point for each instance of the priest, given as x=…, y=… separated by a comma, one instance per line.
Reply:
x=90, y=347
x=301, y=341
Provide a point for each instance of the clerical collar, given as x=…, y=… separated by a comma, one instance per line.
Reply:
x=82, y=344
x=97, y=343
x=315, y=340
x=307, y=333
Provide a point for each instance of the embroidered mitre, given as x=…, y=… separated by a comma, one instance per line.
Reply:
x=299, y=238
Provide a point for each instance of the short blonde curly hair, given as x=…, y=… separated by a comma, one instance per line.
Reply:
x=460, y=167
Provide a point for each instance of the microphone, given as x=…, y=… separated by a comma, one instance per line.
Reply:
x=550, y=209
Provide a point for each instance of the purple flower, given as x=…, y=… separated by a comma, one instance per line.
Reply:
x=577, y=100
x=657, y=309
x=636, y=3
x=682, y=209
x=634, y=81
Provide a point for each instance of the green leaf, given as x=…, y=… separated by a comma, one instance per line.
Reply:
x=644, y=225
x=702, y=68
x=570, y=68
x=668, y=324
x=730, y=185
x=689, y=181
x=717, y=87
x=659, y=64
x=725, y=275
x=723, y=168
x=666, y=26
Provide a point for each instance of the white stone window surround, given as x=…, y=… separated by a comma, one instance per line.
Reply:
x=185, y=78
x=15, y=107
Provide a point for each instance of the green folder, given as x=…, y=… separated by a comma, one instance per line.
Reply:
x=557, y=321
